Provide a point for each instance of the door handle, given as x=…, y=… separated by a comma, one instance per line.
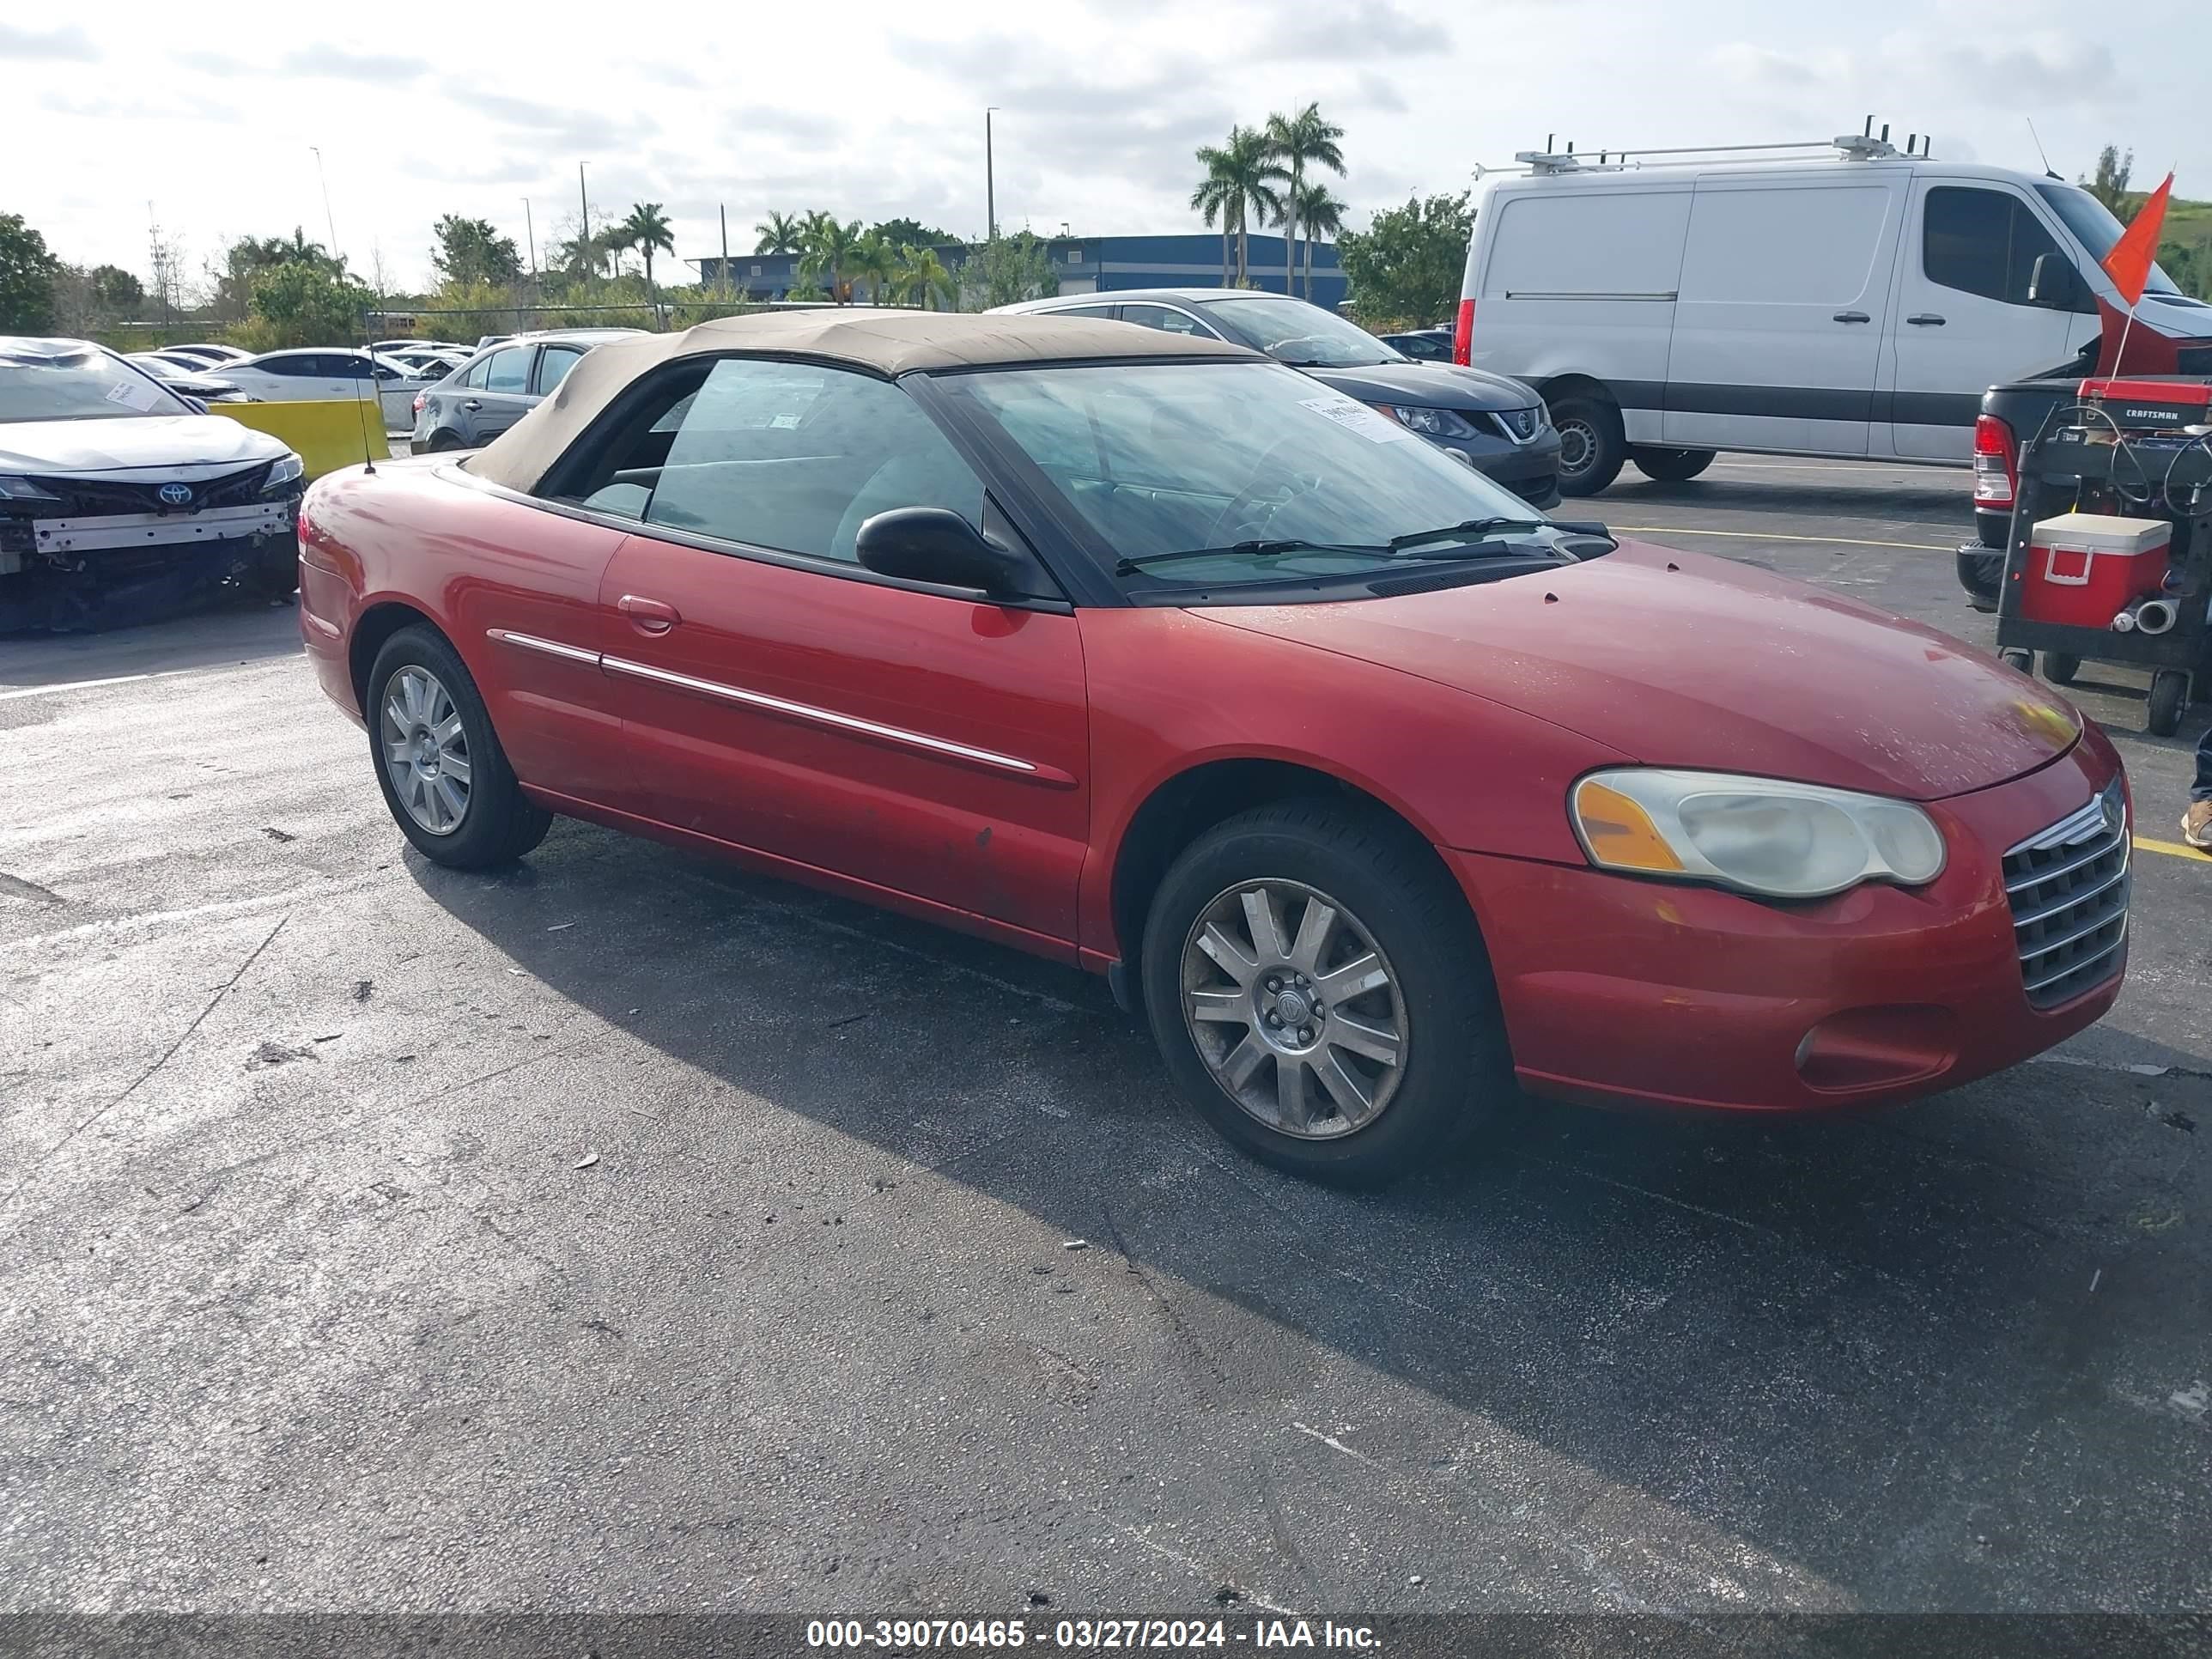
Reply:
x=648, y=615
x=471, y=404
x=1925, y=319
x=1853, y=317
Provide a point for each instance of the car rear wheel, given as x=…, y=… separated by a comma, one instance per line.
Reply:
x=444, y=777
x=1591, y=447
x=443, y=441
x=1670, y=465
x=1319, y=991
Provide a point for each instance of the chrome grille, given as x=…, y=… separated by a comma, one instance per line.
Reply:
x=2068, y=888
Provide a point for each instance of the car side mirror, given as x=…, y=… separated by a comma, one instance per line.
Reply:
x=936, y=544
x=2051, y=281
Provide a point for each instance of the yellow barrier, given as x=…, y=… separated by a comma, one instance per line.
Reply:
x=327, y=434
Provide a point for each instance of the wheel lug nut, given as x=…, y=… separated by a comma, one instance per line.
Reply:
x=1274, y=983
x=1306, y=1034
x=1275, y=1019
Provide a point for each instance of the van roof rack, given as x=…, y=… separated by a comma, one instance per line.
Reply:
x=1865, y=145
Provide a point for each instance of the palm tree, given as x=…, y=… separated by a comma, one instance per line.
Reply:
x=1307, y=136
x=874, y=258
x=827, y=251
x=1322, y=215
x=646, y=230
x=1216, y=198
x=779, y=233
x=921, y=277
x=1251, y=173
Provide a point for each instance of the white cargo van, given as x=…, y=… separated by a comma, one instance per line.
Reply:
x=1855, y=303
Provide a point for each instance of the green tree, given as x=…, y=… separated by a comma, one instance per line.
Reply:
x=473, y=250
x=1216, y=198
x=2109, y=184
x=1322, y=215
x=26, y=278
x=1006, y=269
x=828, y=252
x=1240, y=182
x=780, y=233
x=300, y=303
x=1307, y=139
x=922, y=280
x=875, y=259
x=248, y=258
x=115, y=290
x=905, y=233
x=647, y=230
x=1406, y=267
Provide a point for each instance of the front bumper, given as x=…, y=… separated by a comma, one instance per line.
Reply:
x=1619, y=990
x=108, y=531
x=1531, y=471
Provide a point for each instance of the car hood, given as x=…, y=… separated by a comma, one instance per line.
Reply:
x=1427, y=386
x=1683, y=659
x=150, y=443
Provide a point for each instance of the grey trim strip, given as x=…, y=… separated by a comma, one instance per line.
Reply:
x=1535, y=294
x=830, y=718
x=550, y=647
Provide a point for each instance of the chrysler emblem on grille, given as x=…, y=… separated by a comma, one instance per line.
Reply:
x=175, y=494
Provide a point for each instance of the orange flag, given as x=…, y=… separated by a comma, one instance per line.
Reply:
x=2130, y=262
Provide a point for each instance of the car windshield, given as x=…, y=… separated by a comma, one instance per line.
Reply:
x=2094, y=227
x=1253, y=473
x=77, y=383
x=1303, y=336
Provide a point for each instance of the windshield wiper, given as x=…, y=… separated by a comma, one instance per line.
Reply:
x=1466, y=529
x=1263, y=550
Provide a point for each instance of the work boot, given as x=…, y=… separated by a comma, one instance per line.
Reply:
x=2197, y=824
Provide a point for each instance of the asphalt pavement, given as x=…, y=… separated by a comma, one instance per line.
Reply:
x=628, y=1233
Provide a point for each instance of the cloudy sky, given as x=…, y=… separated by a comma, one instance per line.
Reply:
x=872, y=109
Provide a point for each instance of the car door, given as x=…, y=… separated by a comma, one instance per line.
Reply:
x=1964, y=321
x=555, y=360
x=902, y=740
x=505, y=397
x=1780, y=313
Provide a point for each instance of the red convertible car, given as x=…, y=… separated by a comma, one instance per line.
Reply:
x=1374, y=790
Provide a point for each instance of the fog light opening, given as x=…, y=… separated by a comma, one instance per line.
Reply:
x=1879, y=1048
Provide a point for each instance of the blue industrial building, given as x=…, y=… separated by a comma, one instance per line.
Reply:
x=1085, y=265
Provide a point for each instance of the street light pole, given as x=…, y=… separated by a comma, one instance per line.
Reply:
x=584, y=206
x=990, y=183
x=530, y=229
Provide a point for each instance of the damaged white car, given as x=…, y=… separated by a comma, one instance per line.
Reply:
x=121, y=501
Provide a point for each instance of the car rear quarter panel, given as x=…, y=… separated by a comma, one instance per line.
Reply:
x=410, y=533
x=1171, y=691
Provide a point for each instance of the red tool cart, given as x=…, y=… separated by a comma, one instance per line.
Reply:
x=2111, y=554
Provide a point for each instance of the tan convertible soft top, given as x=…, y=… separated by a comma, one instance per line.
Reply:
x=883, y=342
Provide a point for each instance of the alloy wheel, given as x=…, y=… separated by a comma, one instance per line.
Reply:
x=1577, y=447
x=1294, y=1009
x=426, y=750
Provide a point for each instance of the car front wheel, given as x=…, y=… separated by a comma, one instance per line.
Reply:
x=444, y=777
x=1591, y=444
x=1317, y=987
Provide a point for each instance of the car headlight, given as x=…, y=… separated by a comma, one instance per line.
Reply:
x=285, y=472
x=1430, y=423
x=13, y=489
x=1762, y=836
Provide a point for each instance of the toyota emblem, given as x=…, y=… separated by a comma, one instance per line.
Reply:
x=176, y=495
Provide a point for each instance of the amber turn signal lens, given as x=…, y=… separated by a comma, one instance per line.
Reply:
x=1619, y=833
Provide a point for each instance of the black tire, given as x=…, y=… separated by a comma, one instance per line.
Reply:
x=2169, y=696
x=498, y=823
x=1591, y=444
x=444, y=441
x=1670, y=465
x=2060, y=667
x=1981, y=572
x=1387, y=882
x=274, y=575
x=2014, y=658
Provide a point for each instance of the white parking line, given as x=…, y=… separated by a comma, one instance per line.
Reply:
x=71, y=685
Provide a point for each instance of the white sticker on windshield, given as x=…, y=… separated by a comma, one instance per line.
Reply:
x=134, y=393
x=1355, y=416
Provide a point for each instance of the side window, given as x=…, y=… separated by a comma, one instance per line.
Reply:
x=509, y=370
x=1982, y=242
x=1166, y=320
x=1097, y=313
x=553, y=366
x=287, y=367
x=796, y=458
x=477, y=370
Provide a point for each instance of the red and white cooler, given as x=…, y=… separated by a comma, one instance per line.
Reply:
x=2084, y=568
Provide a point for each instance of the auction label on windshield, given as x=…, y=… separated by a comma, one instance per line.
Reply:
x=1355, y=416
x=1088, y=1635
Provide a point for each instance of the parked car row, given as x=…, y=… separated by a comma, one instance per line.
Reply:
x=1377, y=792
